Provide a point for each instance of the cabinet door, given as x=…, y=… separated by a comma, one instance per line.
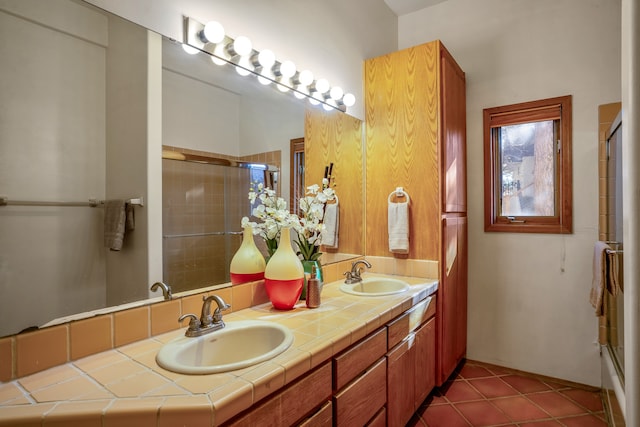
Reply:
x=401, y=363
x=452, y=299
x=425, y=374
x=453, y=101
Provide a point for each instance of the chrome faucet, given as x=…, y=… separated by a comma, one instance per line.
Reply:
x=354, y=276
x=166, y=290
x=208, y=322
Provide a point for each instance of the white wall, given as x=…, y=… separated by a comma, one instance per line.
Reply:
x=330, y=37
x=528, y=294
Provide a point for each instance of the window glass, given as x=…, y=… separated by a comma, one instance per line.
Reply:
x=528, y=168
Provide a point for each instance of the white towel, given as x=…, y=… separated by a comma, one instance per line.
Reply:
x=398, y=224
x=331, y=223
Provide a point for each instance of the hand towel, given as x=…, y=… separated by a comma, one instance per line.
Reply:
x=331, y=223
x=118, y=217
x=601, y=276
x=398, y=226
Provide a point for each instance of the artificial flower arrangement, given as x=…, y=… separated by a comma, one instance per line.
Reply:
x=274, y=216
x=309, y=226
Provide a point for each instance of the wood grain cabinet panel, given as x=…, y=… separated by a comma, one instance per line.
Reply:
x=453, y=297
x=358, y=358
x=379, y=420
x=415, y=106
x=322, y=418
x=425, y=375
x=359, y=401
x=292, y=404
x=411, y=369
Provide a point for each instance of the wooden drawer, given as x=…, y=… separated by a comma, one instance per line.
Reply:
x=410, y=320
x=380, y=419
x=356, y=359
x=322, y=418
x=290, y=405
x=362, y=399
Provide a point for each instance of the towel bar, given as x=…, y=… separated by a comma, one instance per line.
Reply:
x=4, y=201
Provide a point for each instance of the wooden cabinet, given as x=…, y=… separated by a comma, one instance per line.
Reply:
x=416, y=138
x=361, y=399
x=322, y=418
x=453, y=296
x=359, y=381
x=411, y=363
x=292, y=404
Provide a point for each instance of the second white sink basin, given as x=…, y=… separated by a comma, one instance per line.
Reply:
x=239, y=345
x=375, y=286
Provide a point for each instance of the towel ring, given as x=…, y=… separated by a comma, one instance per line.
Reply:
x=399, y=192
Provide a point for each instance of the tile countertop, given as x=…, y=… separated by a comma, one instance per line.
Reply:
x=127, y=385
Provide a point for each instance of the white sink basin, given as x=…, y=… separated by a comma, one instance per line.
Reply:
x=240, y=344
x=375, y=286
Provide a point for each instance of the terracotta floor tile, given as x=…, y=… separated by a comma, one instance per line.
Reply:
x=588, y=399
x=493, y=387
x=583, y=421
x=525, y=384
x=482, y=413
x=556, y=404
x=474, y=371
x=443, y=416
x=461, y=391
x=546, y=423
x=519, y=408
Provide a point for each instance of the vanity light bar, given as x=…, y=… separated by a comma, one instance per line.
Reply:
x=211, y=38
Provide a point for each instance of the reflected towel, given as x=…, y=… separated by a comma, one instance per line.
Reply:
x=331, y=223
x=118, y=218
x=605, y=276
x=398, y=225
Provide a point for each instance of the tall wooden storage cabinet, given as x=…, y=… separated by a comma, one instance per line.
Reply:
x=416, y=139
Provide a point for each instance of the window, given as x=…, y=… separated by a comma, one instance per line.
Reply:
x=527, y=167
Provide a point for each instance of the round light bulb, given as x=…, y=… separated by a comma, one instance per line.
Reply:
x=190, y=49
x=288, y=69
x=282, y=88
x=313, y=101
x=348, y=99
x=266, y=58
x=305, y=77
x=242, y=46
x=213, y=32
x=327, y=107
x=263, y=80
x=336, y=93
x=244, y=67
x=322, y=85
x=299, y=95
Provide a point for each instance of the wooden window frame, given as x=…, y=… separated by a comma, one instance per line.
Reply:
x=526, y=112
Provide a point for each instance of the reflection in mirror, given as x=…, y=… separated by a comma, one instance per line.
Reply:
x=78, y=126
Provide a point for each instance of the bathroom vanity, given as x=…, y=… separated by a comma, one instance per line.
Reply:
x=347, y=362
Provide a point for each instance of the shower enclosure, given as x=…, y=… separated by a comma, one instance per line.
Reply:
x=613, y=346
x=203, y=202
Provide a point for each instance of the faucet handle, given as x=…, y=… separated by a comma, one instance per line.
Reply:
x=194, y=323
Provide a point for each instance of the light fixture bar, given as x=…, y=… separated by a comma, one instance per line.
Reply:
x=282, y=74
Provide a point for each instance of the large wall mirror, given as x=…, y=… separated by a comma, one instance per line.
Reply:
x=90, y=101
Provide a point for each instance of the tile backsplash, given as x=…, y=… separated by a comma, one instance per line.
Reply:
x=31, y=352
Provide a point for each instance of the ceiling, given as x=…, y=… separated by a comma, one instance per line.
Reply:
x=402, y=7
